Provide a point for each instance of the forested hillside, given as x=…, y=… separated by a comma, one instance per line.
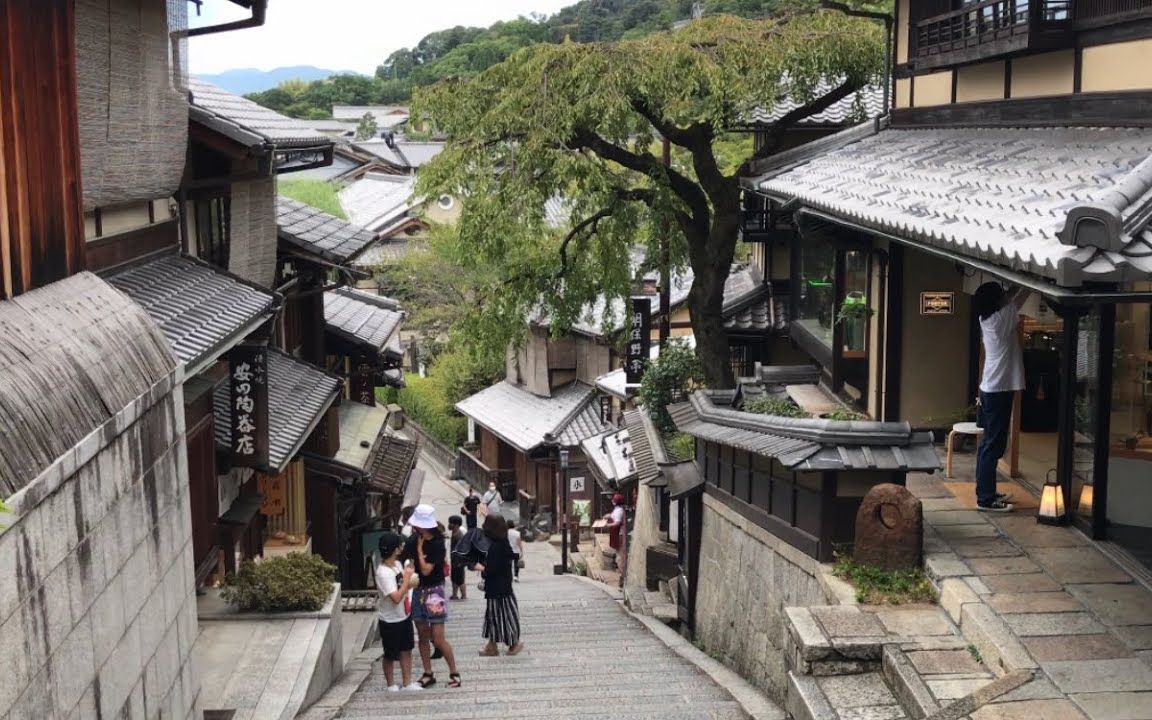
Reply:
x=464, y=51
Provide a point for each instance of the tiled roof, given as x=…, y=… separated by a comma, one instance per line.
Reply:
x=352, y=113
x=360, y=425
x=522, y=419
x=391, y=460
x=298, y=395
x=1068, y=204
x=248, y=123
x=362, y=317
x=377, y=200
x=200, y=309
x=868, y=102
x=758, y=317
x=610, y=457
x=808, y=444
x=402, y=153
x=647, y=450
x=315, y=231
x=384, y=252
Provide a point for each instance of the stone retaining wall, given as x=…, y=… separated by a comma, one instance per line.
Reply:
x=97, y=604
x=747, y=577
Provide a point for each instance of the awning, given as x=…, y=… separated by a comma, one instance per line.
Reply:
x=312, y=231
x=1067, y=204
x=390, y=464
x=202, y=310
x=523, y=419
x=682, y=478
x=413, y=490
x=363, y=319
x=298, y=396
x=248, y=123
x=646, y=445
x=610, y=458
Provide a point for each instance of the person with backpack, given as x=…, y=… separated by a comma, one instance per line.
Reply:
x=491, y=500
x=502, y=614
x=459, y=588
x=394, y=584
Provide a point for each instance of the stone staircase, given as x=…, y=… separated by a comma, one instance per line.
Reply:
x=584, y=658
x=850, y=662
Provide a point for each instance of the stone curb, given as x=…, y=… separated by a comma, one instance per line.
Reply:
x=909, y=688
x=751, y=701
x=806, y=701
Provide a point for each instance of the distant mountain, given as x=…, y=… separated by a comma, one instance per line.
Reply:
x=248, y=80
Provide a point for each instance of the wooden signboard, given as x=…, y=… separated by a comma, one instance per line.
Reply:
x=248, y=384
x=272, y=487
x=639, y=337
x=937, y=303
x=362, y=380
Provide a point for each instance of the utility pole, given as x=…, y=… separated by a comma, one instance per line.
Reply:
x=665, y=270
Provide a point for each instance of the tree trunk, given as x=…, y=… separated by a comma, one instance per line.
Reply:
x=711, y=258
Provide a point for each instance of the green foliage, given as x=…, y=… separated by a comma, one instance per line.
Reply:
x=680, y=446
x=367, y=128
x=387, y=395
x=845, y=415
x=581, y=121
x=882, y=587
x=853, y=311
x=297, y=582
x=964, y=414
x=667, y=380
x=317, y=193
x=4, y=509
x=975, y=653
x=424, y=400
x=772, y=405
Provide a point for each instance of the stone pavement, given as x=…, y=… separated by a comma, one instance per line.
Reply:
x=1031, y=596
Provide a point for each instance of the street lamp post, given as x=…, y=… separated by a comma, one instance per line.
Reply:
x=564, y=510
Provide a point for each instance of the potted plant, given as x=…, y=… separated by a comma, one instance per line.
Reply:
x=853, y=314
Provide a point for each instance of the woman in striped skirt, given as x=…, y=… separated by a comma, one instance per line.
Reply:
x=502, y=616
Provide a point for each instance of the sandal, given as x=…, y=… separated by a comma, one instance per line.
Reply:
x=489, y=651
x=454, y=680
x=515, y=649
x=427, y=680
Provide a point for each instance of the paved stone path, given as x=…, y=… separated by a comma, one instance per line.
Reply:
x=585, y=657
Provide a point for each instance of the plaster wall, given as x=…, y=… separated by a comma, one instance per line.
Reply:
x=1120, y=66
x=983, y=81
x=932, y=89
x=934, y=348
x=1046, y=74
x=903, y=93
x=747, y=577
x=97, y=604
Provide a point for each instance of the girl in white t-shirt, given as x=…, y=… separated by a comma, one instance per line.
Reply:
x=394, y=583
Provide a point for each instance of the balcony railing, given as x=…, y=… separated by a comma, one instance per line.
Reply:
x=478, y=475
x=990, y=28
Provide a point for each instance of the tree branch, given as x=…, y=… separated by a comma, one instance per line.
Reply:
x=790, y=118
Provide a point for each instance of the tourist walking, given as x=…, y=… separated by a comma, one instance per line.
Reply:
x=427, y=549
x=517, y=545
x=468, y=509
x=615, y=522
x=394, y=583
x=492, y=500
x=502, y=615
x=459, y=588
x=1003, y=376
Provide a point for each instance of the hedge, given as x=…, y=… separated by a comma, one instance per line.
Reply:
x=423, y=400
x=298, y=582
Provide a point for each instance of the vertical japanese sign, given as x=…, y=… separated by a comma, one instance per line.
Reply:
x=362, y=383
x=248, y=382
x=639, y=337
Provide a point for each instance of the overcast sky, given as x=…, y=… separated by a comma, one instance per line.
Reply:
x=340, y=34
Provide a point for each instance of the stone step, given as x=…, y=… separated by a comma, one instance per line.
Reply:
x=603, y=708
x=592, y=690
x=863, y=695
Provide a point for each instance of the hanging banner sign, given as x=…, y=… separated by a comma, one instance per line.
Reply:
x=362, y=383
x=248, y=385
x=937, y=303
x=639, y=339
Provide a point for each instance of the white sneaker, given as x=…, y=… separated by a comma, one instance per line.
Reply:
x=413, y=687
x=393, y=688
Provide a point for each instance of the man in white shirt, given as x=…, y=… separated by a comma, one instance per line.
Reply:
x=1003, y=376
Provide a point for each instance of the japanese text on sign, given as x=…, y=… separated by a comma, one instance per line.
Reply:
x=248, y=377
x=639, y=334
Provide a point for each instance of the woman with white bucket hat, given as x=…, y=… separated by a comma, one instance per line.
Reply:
x=427, y=549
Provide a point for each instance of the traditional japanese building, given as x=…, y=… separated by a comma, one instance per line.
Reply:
x=1016, y=151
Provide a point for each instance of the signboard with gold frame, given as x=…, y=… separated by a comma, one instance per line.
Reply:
x=937, y=303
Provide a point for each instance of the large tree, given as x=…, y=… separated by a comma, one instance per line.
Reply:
x=584, y=121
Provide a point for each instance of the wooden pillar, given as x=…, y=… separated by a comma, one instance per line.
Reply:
x=41, y=204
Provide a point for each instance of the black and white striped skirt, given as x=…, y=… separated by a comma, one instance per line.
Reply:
x=502, y=621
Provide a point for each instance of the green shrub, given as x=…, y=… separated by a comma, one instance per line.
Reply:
x=680, y=446
x=772, y=405
x=423, y=400
x=387, y=395
x=845, y=414
x=882, y=587
x=667, y=380
x=297, y=582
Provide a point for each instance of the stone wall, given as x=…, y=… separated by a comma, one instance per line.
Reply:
x=97, y=605
x=747, y=577
x=645, y=534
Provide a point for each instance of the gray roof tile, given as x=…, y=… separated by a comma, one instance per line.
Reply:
x=200, y=308
x=298, y=395
x=362, y=317
x=378, y=200
x=522, y=419
x=390, y=462
x=610, y=457
x=645, y=445
x=866, y=103
x=1012, y=197
x=248, y=123
x=808, y=444
x=315, y=231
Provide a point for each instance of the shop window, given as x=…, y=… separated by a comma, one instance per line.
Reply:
x=853, y=312
x=816, y=309
x=213, y=215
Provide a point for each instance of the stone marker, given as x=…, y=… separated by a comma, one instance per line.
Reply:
x=889, y=529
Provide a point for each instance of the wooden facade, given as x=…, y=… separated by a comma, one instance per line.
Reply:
x=41, y=215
